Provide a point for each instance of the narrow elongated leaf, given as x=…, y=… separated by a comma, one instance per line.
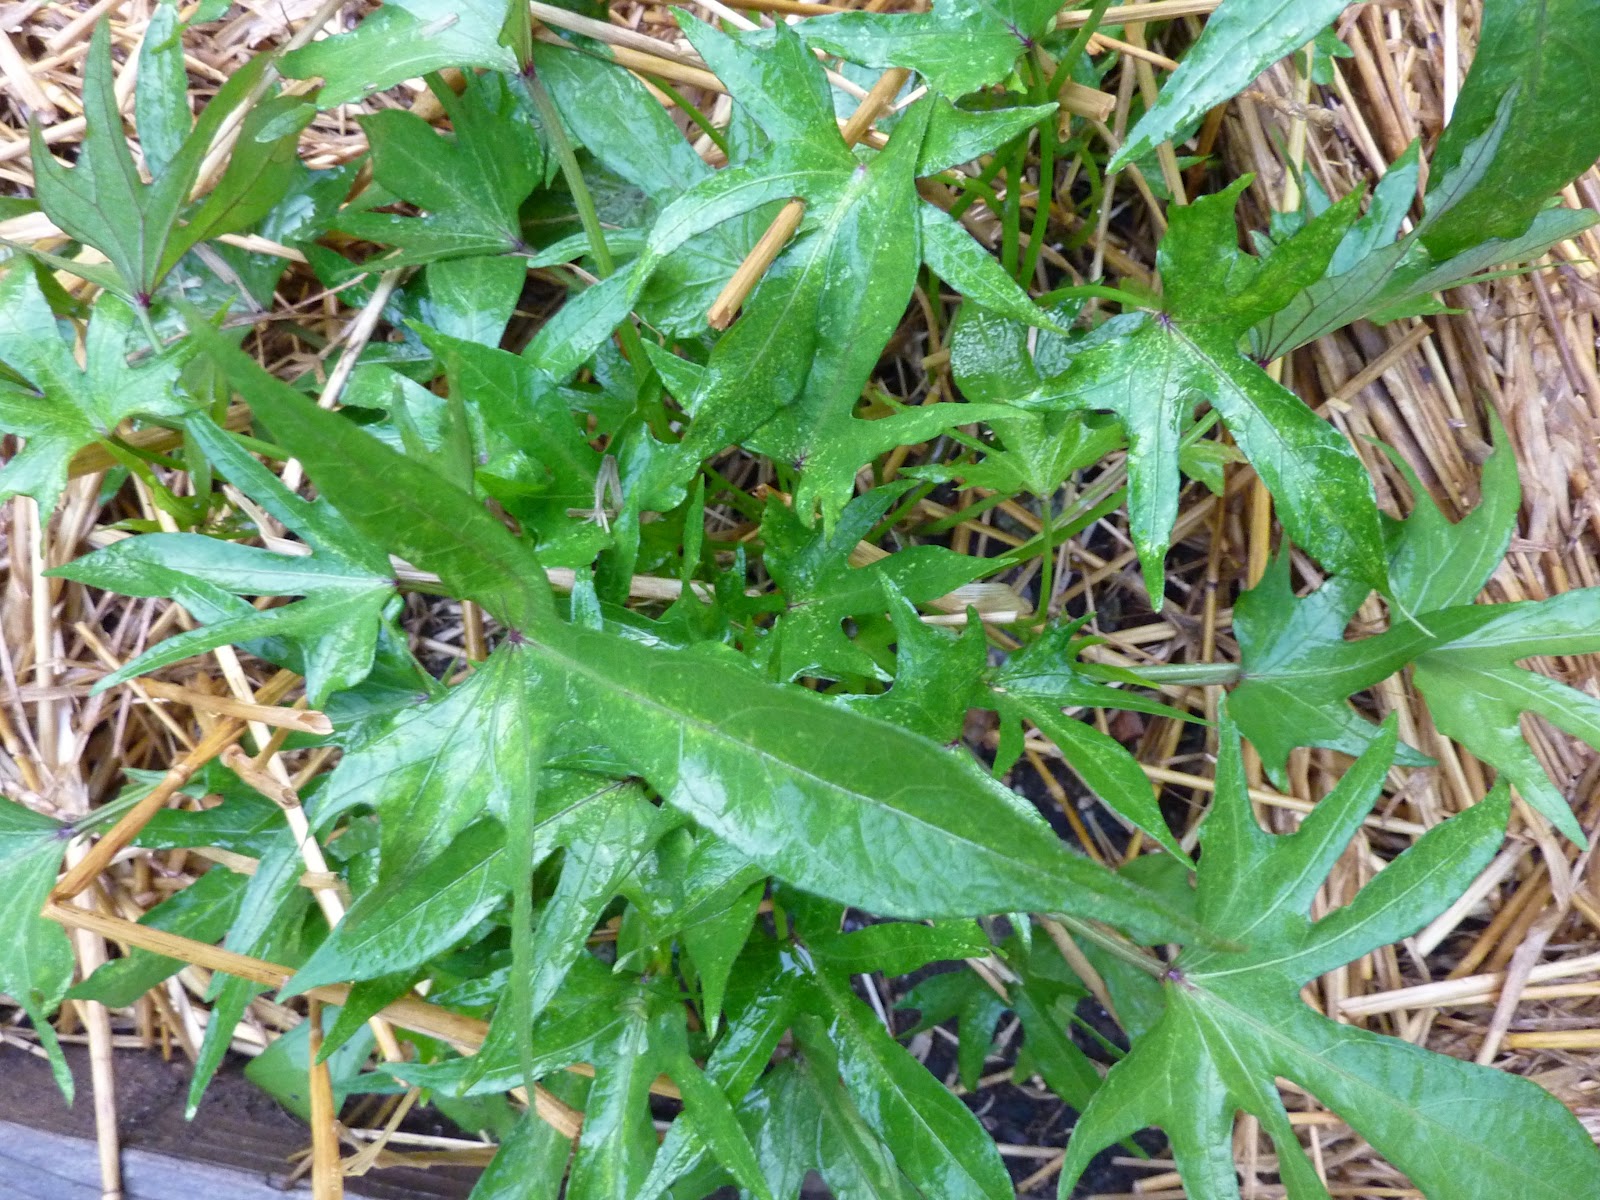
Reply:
x=738, y=1061
x=433, y=524
x=1241, y=39
x=1108, y=770
x=936, y=1140
x=837, y=1140
x=604, y=845
x=1538, y=59
x=618, y=1141
x=204, y=911
x=748, y=761
x=419, y=914
x=529, y=1165
x=36, y=958
x=268, y=926
x=957, y=135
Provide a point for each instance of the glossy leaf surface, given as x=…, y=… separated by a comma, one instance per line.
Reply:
x=68, y=407
x=1233, y=1021
x=1299, y=669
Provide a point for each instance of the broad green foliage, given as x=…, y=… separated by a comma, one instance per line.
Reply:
x=471, y=185
x=710, y=787
x=1538, y=59
x=959, y=47
x=1232, y=1021
x=1299, y=669
x=58, y=407
x=102, y=200
x=1152, y=368
x=403, y=40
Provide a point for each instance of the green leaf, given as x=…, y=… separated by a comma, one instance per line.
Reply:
x=404, y=39
x=618, y=1140
x=713, y=944
x=604, y=845
x=588, y=1013
x=540, y=464
x=743, y=759
x=161, y=102
x=203, y=910
x=816, y=326
x=936, y=1140
x=1299, y=669
x=1434, y=563
x=336, y=623
x=532, y=1159
x=260, y=170
x=1241, y=39
x=961, y=262
x=283, y=1069
x=821, y=589
x=1152, y=370
x=268, y=926
x=1234, y=1022
x=1537, y=60
x=1373, y=275
x=1107, y=770
x=67, y=408
x=830, y=1133
x=431, y=770
x=36, y=959
x=972, y=1003
x=417, y=915
x=936, y=674
x=470, y=184
x=613, y=115
x=739, y=1059
x=1206, y=277
x=103, y=201
x=472, y=299
x=1049, y=1048
x=959, y=47
x=898, y=947
x=739, y=755
x=1476, y=693
x=1036, y=452
x=958, y=135
x=402, y=503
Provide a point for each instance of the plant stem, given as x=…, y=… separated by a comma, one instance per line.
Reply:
x=583, y=201
x=1197, y=674
x=1114, y=944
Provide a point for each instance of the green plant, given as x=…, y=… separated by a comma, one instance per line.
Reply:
x=714, y=782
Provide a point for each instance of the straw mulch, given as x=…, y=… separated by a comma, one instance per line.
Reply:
x=1510, y=976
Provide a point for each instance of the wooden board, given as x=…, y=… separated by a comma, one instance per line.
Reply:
x=238, y=1147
